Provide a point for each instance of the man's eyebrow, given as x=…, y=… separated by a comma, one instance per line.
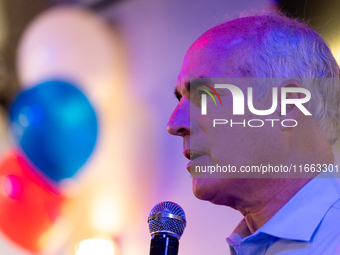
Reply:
x=194, y=83
x=197, y=82
x=178, y=94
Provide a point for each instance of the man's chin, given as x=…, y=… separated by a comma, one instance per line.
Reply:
x=213, y=190
x=203, y=189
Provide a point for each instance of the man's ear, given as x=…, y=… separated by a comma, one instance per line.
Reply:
x=290, y=99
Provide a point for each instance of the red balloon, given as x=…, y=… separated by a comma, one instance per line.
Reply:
x=28, y=204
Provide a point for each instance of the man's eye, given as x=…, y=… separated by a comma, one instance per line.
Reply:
x=200, y=92
x=196, y=96
x=178, y=95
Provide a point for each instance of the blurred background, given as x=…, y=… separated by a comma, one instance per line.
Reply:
x=104, y=71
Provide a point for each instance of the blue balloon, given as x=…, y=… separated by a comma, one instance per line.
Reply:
x=56, y=127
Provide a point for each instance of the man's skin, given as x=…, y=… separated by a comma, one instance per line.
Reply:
x=221, y=53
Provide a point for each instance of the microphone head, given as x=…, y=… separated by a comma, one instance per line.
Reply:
x=167, y=218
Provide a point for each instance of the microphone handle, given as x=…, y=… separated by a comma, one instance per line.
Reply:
x=164, y=244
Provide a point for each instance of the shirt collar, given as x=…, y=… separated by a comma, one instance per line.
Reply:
x=240, y=232
x=300, y=216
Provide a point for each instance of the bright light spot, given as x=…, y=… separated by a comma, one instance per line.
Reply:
x=23, y=120
x=95, y=246
x=335, y=48
x=106, y=214
x=12, y=186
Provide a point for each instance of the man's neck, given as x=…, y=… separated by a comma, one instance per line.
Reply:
x=271, y=195
x=257, y=216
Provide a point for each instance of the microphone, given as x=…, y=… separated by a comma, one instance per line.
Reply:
x=166, y=224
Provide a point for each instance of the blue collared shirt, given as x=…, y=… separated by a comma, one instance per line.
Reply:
x=308, y=224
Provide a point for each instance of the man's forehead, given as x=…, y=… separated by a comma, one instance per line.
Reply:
x=220, y=47
x=211, y=60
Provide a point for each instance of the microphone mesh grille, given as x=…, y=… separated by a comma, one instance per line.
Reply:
x=168, y=224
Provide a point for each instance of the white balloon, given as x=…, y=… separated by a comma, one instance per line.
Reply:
x=70, y=43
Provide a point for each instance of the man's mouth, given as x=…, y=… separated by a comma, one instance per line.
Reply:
x=194, y=156
x=191, y=155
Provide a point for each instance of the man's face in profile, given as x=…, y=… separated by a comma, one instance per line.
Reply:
x=213, y=56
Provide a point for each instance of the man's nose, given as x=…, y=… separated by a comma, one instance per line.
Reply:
x=179, y=122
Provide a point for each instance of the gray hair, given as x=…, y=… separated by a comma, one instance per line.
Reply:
x=287, y=48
